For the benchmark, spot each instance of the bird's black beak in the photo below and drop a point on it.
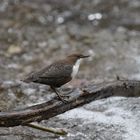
(84, 56)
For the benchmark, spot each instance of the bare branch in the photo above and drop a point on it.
(58, 131)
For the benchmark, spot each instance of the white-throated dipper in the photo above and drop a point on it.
(58, 73)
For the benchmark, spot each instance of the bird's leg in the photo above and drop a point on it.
(60, 97)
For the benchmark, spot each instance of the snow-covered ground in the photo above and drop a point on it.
(116, 118)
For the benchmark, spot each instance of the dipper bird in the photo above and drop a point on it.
(58, 73)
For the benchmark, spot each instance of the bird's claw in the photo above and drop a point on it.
(67, 96)
(62, 99)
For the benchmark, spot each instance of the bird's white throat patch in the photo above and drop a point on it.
(75, 68)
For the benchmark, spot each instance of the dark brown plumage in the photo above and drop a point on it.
(56, 74)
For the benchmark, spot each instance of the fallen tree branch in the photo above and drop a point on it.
(126, 88)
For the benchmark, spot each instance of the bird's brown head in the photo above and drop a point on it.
(74, 57)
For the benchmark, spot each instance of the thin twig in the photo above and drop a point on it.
(58, 131)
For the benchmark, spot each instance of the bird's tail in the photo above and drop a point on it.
(29, 78)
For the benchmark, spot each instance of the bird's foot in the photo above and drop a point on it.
(62, 99)
(59, 96)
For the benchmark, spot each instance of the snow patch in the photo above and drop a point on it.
(118, 116)
(111, 115)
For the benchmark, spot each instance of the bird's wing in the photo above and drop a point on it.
(56, 71)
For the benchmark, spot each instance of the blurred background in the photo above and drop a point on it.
(34, 33)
